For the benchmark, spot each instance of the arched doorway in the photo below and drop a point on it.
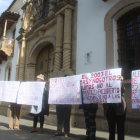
(44, 61)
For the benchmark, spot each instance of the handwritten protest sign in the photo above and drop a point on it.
(30, 93)
(65, 90)
(135, 83)
(101, 87)
(9, 90)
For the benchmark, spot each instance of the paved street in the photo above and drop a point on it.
(24, 132)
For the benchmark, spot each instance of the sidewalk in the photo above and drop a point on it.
(26, 125)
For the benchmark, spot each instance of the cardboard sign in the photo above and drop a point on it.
(101, 87)
(65, 90)
(135, 84)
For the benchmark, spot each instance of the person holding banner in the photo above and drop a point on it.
(63, 117)
(44, 108)
(116, 115)
(90, 116)
(63, 113)
(14, 116)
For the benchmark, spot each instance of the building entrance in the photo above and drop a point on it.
(44, 61)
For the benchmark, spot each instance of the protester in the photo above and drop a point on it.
(44, 108)
(14, 116)
(90, 116)
(63, 113)
(116, 115)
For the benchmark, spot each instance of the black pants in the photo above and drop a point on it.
(114, 120)
(35, 120)
(63, 118)
(90, 116)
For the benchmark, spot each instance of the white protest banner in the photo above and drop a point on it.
(9, 90)
(135, 84)
(101, 87)
(36, 109)
(30, 93)
(65, 90)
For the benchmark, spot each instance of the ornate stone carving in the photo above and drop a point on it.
(28, 17)
(41, 8)
(7, 45)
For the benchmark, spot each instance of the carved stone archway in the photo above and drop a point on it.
(37, 46)
(33, 53)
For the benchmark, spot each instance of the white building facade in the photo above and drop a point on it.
(11, 20)
(10, 25)
(108, 34)
(91, 35)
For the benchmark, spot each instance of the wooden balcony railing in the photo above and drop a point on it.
(7, 45)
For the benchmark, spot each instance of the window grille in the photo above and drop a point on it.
(128, 29)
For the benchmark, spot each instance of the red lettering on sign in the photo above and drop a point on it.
(136, 73)
(138, 106)
(108, 84)
(133, 95)
(84, 76)
(133, 80)
(108, 72)
(100, 85)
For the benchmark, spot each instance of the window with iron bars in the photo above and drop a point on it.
(128, 29)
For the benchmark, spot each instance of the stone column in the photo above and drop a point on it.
(67, 39)
(18, 62)
(59, 43)
(5, 28)
(22, 59)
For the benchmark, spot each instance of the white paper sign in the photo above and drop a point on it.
(65, 90)
(101, 87)
(9, 90)
(36, 109)
(30, 93)
(135, 77)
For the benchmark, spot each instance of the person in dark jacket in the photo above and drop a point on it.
(116, 115)
(90, 111)
(45, 106)
(63, 113)
(63, 119)
(90, 116)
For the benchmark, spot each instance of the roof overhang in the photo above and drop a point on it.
(11, 17)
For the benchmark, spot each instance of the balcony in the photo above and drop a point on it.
(7, 46)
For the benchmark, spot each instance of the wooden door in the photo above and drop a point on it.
(44, 62)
